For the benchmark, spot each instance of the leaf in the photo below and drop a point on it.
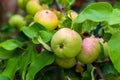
(96, 12)
(108, 68)
(46, 46)
(89, 74)
(66, 3)
(46, 35)
(12, 67)
(99, 12)
(33, 30)
(43, 59)
(46, 1)
(114, 17)
(4, 78)
(10, 44)
(26, 59)
(5, 54)
(114, 50)
(66, 22)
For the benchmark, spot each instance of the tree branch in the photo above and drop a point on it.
(99, 72)
(58, 6)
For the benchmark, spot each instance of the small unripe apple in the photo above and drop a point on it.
(66, 43)
(73, 15)
(33, 6)
(46, 18)
(17, 21)
(22, 3)
(90, 50)
(65, 62)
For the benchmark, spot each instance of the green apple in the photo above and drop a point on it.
(90, 50)
(66, 43)
(33, 6)
(22, 3)
(46, 18)
(17, 21)
(73, 15)
(65, 62)
(105, 46)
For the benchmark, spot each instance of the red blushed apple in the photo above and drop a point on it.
(90, 50)
(46, 18)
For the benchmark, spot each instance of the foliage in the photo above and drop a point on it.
(27, 55)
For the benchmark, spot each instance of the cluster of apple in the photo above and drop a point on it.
(67, 45)
(69, 48)
(39, 13)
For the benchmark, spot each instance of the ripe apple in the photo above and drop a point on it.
(17, 21)
(66, 43)
(90, 50)
(33, 6)
(65, 62)
(46, 18)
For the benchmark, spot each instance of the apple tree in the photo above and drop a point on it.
(48, 40)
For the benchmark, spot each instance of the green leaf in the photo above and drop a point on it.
(46, 1)
(5, 54)
(108, 68)
(66, 3)
(66, 22)
(114, 50)
(46, 35)
(10, 44)
(43, 59)
(26, 59)
(96, 12)
(89, 74)
(12, 67)
(4, 78)
(33, 30)
(46, 46)
(99, 12)
(114, 17)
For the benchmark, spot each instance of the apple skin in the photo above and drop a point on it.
(65, 62)
(33, 6)
(66, 43)
(90, 50)
(105, 46)
(73, 15)
(22, 3)
(17, 21)
(46, 18)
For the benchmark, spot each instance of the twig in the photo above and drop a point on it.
(58, 6)
(98, 71)
(102, 62)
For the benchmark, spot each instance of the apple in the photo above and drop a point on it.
(73, 15)
(105, 46)
(65, 62)
(46, 18)
(90, 50)
(17, 21)
(33, 6)
(66, 43)
(22, 3)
